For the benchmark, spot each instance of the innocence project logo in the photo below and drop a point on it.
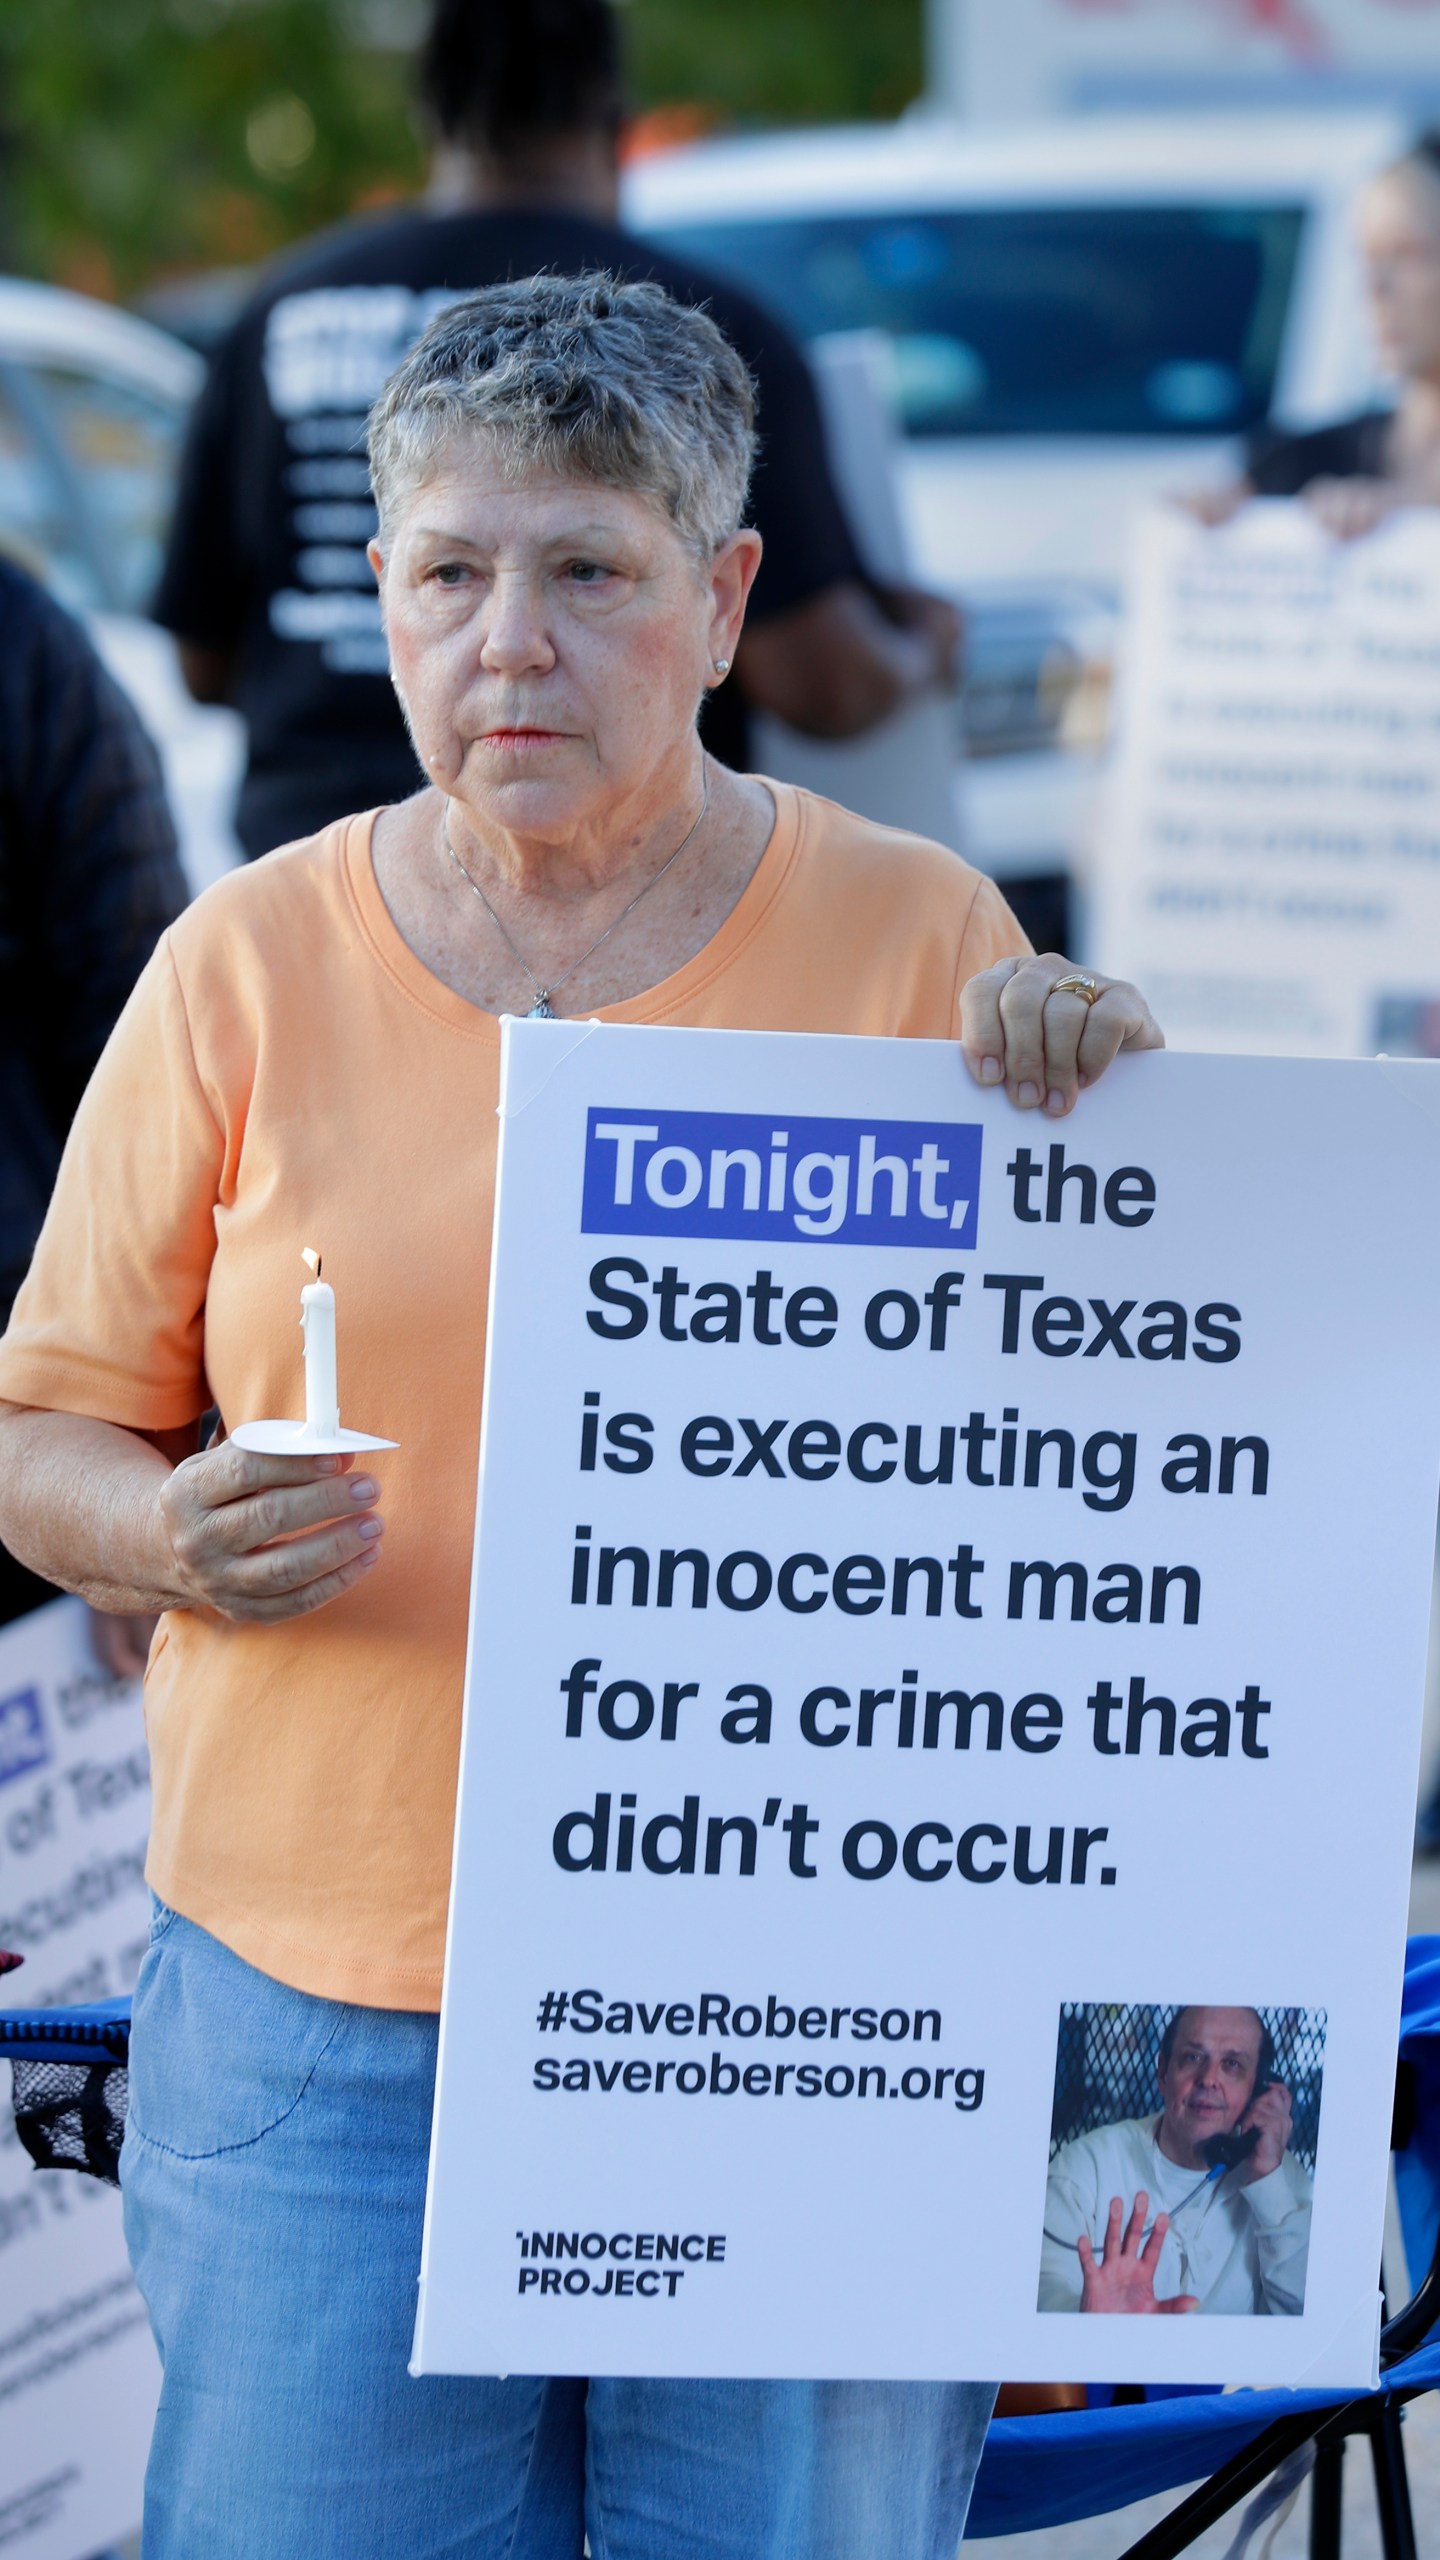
(775, 1180)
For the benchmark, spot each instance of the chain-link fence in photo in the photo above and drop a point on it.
(1107, 2052)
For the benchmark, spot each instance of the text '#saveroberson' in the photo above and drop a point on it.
(743, 1174)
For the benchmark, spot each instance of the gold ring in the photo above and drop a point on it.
(1077, 984)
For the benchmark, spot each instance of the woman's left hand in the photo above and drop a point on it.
(1045, 1029)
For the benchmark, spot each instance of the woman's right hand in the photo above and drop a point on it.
(265, 1539)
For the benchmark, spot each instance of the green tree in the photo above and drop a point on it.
(146, 136)
(142, 138)
(767, 62)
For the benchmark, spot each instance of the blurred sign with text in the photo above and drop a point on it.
(1270, 866)
(78, 2371)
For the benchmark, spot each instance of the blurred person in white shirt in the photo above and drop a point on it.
(1356, 472)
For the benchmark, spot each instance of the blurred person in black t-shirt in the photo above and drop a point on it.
(267, 586)
(1355, 472)
(89, 879)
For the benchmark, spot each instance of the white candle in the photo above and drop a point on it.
(317, 1324)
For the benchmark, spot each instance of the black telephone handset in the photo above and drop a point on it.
(1227, 2150)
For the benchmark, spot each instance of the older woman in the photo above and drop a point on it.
(560, 469)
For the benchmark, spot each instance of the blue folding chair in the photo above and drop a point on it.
(70, 2089)
(70, 2094)
(71, 2084)
(1056, 2469)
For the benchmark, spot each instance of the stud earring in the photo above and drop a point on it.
(721, 666)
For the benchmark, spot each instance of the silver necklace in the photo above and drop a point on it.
(542, 1010)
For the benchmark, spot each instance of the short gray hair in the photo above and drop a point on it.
(613, 383)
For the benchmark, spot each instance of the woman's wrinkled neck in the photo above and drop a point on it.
(574, 858)
(549, 922)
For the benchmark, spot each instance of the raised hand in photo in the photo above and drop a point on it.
(1122, 2278)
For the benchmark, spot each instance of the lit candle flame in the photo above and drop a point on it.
(309, 1255)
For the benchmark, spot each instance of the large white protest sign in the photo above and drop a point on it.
(950, 1591)
(79, 2376)
(1269, 865)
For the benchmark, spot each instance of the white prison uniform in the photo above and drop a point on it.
(1240, 2248)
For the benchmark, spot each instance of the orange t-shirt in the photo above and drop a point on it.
(288, 1073)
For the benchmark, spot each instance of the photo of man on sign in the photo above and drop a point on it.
(1203, 2206)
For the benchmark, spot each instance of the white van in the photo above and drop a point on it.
(93, 404)
(1079, 317)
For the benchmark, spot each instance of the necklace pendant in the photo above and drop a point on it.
(542, 1010)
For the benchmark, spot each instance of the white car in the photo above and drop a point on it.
(1079, 318)
(92, 408)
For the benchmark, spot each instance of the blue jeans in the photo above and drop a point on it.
(274, 2177)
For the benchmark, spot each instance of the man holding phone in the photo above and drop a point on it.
(1200, 2208)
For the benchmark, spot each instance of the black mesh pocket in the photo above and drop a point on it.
(71, 2115)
